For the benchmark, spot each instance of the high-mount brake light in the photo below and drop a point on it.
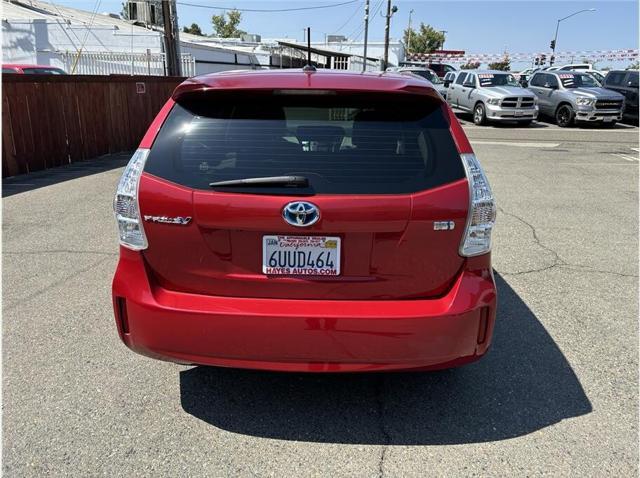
(482, 210)
(125, 204)
(304, 92)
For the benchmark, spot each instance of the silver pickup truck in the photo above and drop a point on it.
(570, 96)
(491, 96)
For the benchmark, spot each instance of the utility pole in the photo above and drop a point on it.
(409, 31)
(171, 39)
(444, 37)
(390, 12)
(366, 34)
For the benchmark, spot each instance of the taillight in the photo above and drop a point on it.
(125, 204)
(482, 210)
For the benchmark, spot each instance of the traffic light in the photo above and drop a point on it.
(552, 60)
(543, 59)
(537, 61)
(552, 45)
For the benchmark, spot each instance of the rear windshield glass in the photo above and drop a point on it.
(580, 80)
(343, 144)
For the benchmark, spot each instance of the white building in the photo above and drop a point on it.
(79, 41)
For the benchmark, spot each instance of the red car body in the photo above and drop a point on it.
(405, 297)
(28, 69)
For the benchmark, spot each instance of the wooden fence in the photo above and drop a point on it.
(49, 120)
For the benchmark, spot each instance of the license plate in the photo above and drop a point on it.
(301, 255)
(519, 113)
(608, 119)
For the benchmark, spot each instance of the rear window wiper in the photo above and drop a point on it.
(275, 181)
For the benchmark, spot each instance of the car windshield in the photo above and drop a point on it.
(580, 80)
(497, 79)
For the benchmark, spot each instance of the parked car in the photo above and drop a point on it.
(449, 78)
(625, 82)
(32, 69)
(492, 96)
(522, 78)
(305, 221)
(597, 75)
(576, 66)
(427, 74)
(570, 96)
(441, 69)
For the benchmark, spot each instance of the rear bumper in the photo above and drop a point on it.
(304, 335)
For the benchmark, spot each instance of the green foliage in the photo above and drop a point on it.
(227, 27)
(425, 40)
(502, 65)
(470, 65)
(194, 29)
(634, 66)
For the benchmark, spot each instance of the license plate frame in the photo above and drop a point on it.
(304, 252)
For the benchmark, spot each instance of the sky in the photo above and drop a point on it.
(475, 26)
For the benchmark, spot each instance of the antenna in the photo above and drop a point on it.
(308, 68)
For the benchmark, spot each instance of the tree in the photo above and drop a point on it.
(194, 29)
(502, 65)
(633, 66)
(227, 27)
(470, 65)
(426, 40)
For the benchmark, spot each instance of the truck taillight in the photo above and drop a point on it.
(482, 210)
(125, 203)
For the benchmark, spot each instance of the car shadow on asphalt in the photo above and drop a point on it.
(39, 179)
(522, 385)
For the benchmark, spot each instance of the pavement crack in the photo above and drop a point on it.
(23, 300)
(557, 260)
(385, 433)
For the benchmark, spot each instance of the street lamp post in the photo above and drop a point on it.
(555, 38)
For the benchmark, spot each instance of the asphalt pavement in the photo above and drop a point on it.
(557, 394)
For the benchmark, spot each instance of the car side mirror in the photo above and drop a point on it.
(446, 83)
(469, 85)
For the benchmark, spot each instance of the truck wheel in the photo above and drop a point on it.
(479, 115)
(564, 116)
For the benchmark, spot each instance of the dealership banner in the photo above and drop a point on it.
(593, 55)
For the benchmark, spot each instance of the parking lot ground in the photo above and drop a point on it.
(556, 395)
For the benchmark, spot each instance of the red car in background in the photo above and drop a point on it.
(25, 69)
(298, 220)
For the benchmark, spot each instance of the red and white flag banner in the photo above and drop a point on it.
(592, 55)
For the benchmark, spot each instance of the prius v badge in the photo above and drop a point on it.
(301, 213)
(180, 220)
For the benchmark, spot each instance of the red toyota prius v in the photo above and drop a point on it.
(316, 221)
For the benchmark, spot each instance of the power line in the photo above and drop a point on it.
(316, 7)
(358, 7)
(360, 28)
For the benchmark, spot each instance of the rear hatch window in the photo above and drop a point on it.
(353, 143)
